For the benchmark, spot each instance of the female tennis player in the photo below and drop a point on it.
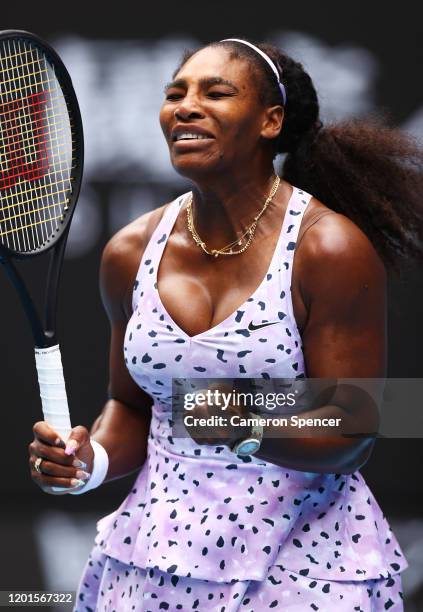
(207, 286)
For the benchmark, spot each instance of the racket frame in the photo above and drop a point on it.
(45, 335)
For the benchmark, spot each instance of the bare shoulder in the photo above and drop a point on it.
(335, 235)
(120, 261)
(336, 253)
(314, 210)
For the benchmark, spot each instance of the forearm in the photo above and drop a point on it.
(123, 431)
(341, 448)
(319, 449)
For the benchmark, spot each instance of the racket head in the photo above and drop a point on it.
(41, 146)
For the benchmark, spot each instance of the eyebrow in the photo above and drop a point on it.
(204, 82)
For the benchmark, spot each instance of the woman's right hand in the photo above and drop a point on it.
(58, 468)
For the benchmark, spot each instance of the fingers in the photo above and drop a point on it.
(57, 468)
(79, 436)
(44, 432)
(49, 468)
(46, 443)
(66, 483)
(51, 453)
(52, 475)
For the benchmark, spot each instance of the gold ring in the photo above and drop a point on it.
(37, 465)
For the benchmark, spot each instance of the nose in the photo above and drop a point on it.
(188, 108)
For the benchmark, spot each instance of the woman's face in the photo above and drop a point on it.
(211, 117)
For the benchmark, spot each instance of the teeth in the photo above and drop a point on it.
(189, 136)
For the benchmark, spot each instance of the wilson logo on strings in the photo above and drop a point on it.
(23, 130)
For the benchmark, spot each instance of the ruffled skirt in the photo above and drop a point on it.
(109, 585)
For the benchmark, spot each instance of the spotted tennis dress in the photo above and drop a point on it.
(201, 528)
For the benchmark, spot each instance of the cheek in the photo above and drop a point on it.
(238, 137)
(247, 129)
(164, 118)
(240, 123)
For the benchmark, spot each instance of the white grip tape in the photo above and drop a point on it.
(53, 391)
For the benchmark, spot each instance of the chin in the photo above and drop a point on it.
(191, 168)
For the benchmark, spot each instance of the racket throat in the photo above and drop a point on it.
(27, 304)
(53, 279)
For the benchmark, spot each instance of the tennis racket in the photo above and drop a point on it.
(41, 161)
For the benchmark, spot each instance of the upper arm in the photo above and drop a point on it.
(118, 269)
(344, 285)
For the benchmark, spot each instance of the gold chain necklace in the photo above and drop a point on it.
(248, 235)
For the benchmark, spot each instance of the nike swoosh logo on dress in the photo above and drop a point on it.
(252, 327)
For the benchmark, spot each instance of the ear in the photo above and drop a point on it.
(272, 123)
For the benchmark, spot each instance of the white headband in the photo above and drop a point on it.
(266, 58)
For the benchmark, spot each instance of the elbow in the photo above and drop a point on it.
(357, 456)
(328, 456)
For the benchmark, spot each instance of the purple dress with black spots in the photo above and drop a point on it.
(204, 530)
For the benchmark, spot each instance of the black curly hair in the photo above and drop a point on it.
(365, 169)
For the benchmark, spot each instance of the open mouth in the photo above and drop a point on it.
(189, 136)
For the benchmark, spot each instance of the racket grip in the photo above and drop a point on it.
(52, 390)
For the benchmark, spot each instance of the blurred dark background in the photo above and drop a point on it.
(363, 57)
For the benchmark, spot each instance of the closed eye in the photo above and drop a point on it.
(219, 94)
(211, 94)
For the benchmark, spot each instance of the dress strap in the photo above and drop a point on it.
(292, 222)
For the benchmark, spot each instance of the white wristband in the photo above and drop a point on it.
(100, 467)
